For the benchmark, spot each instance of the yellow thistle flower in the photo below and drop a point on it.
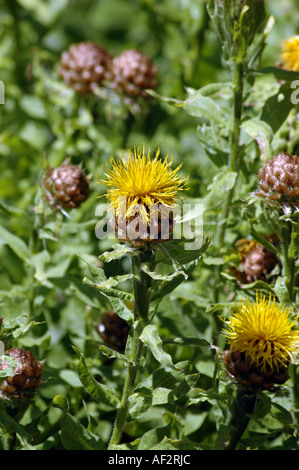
(290, 54)
(264, 332)
(141, 182)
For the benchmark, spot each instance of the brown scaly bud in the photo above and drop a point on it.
(133, 230)
(257, 261)
(280, 177)
(67, 185)
(84, 66)
(132, 73)
(26, 377)
(113, 331)
(252, 376)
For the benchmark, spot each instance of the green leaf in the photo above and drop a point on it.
(61, 402)
(161, 289)
(100, 392)
(205, 107)
(15, 243)
(186, 341)
(278, 73)
(218, 189)
(150, 337)
(281, 414)
(116, 297)
(175, 444)
(8, 423)
(111, 354)
(282, 291)
(153, 437)
(118, 252)
(74, 436)
(261, 132)
(161, 387)
(277, 108)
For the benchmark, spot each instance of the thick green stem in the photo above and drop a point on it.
(33, 249)
(122, 412)
(233, 165)
(141, 288)
(288, 260)
(243, 406)
(238, 72)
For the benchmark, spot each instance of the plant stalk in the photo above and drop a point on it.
(238, 71)
(141, 288)
(242, 408)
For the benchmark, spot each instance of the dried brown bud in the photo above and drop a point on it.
(68, 186)
(280, 177)
(84, 66)
(132, 72)
(27, 373)
(114, 331)
(257, 261)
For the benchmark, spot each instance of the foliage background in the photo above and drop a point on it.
(44, 121)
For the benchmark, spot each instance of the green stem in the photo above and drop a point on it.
(238, 71)
(33, 249)
(141, 288)
(122, 412)
(288, 260)
(243, 406)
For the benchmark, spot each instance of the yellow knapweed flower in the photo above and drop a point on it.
(264, 332)
(290, 54)
(137, 183)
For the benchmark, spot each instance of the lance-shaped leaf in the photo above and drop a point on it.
(116, 297)
(162, 387)
(74, 436)
(150, 337)
(262, 133)
(218, 189)
(100, 392)
(15, 243)
(118, 252)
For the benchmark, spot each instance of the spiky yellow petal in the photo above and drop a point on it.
(140, 180)
(264, 331)
(290, 54)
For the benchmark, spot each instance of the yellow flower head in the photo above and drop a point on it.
(264, 332)
(290, 54)
(139, 181)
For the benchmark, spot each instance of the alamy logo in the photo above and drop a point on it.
(295, 94)
(149, 223)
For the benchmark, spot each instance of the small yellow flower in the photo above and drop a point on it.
(264, 332)
(290, 54)
(138, 183)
